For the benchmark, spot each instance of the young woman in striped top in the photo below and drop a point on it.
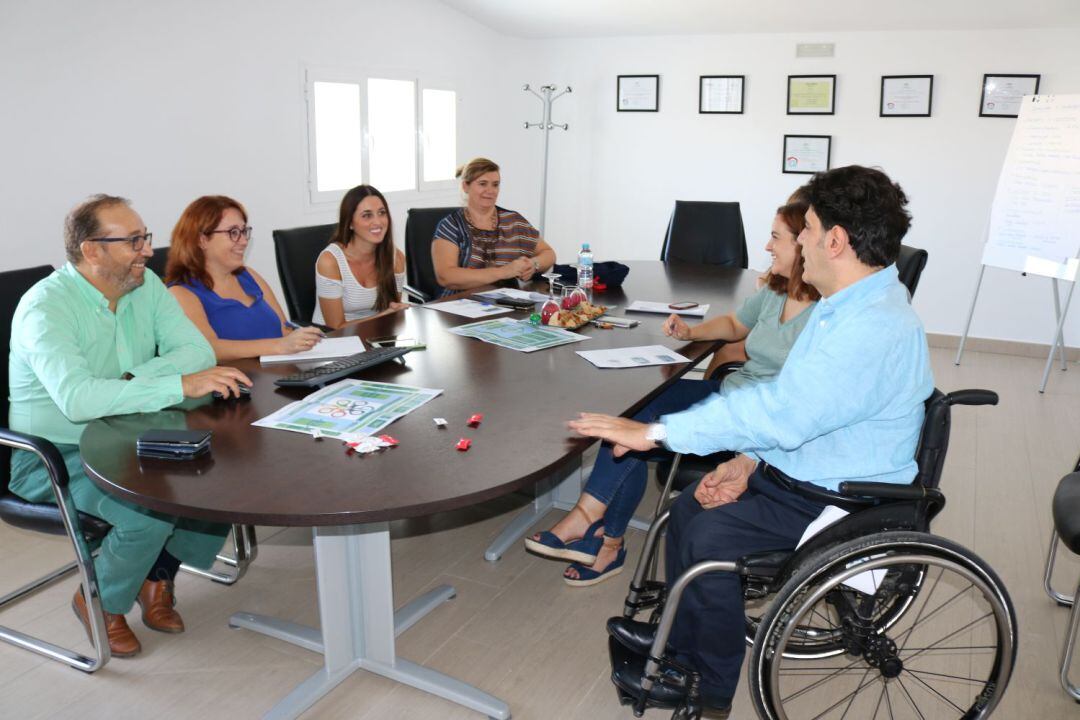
(482, 243)
(360, 273)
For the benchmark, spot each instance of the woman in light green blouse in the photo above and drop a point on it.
(591, 534)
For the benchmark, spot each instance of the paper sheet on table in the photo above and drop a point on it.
(468, 308)
(514, 293)
(659, 307)
(867, 582)
(641, 356)
(518, 335)
(327, 349)
(349, 409)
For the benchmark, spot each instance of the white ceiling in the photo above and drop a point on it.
(588, 18)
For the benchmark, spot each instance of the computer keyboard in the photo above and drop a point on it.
(317, 377)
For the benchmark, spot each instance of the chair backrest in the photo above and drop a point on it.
(933, 440)
(296, 251)
(13, 285)
(909, 265)
(706, 233)
(420, 227)
(158, 260)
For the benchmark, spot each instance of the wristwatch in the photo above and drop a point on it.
(657, 432)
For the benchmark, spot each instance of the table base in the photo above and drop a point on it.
(356, 611)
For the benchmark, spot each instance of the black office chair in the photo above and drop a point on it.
(84, 531)
(682, 471)
(420, 225)
(1066, 513)
(910, 265)
(705, 233)
(820, 612)
(296, 251)
(158, 261)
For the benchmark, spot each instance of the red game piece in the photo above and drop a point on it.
(475, 420)
(387, 439)
(463, 444)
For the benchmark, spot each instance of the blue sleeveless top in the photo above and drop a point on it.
(231, 319)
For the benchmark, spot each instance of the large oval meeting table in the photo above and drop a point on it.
(261, 476)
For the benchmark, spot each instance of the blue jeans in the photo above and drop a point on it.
(619, 483)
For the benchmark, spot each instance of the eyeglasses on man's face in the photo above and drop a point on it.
(235, 233)
(138, 242)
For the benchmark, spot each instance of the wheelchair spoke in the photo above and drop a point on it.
(911, 700)
(850, 698)
(888, 702)
(980, 681)
(926, 603)
(825, 679)
(905, 635)
(934, 690)
(959, 630)
(880, 697)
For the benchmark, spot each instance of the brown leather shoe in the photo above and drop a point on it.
(122, 641)
(157, 600)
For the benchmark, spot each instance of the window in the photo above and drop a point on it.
(393, 133)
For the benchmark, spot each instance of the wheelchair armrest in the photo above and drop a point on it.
(972, 397)
(723, 370)
(417, 294)
(891, 491)
(41, 447)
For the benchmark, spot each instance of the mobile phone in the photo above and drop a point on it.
(683, 305)
(515, 303)
(396, 342)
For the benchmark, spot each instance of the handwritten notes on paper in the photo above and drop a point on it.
(1036, 213)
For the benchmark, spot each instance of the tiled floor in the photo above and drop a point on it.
(515, 629)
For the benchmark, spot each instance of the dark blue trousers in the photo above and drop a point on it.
(709, 627)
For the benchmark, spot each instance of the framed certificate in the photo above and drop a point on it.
(721, 94)
(1001, 94)
(811, 94)
(906, 95)
(637, 93)
(806, 154)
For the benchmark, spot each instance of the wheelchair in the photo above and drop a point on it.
(872, 617)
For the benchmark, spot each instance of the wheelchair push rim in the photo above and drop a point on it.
(886, 675)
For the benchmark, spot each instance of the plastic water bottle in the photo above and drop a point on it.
(585, 268)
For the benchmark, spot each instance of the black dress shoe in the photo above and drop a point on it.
(632, 634)
(627, 672)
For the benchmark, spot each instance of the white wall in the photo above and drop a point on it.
(615, 176)
(163, 102)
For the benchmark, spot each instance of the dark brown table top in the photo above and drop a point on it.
(273, 477)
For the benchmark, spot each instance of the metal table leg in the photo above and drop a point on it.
(560, 492)
(356, 609)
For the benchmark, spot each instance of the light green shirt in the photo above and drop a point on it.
(69, 351)
(769, 341)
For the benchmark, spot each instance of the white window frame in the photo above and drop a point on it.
(433, 185)
(323, 199)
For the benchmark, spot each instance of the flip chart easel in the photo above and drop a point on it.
(1036, 208)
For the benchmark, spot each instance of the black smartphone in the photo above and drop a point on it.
(683, 305)
(515, 303)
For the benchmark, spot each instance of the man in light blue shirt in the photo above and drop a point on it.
(848, 405)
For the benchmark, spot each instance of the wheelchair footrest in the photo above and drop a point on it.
(676, 687)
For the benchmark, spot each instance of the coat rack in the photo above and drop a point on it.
(547, 96)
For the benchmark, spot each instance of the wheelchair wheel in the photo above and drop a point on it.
(949, 652)
(820, 636)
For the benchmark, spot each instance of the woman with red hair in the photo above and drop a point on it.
(230, 303)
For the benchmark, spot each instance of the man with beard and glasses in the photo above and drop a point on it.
(102, 336)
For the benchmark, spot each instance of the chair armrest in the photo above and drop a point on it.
(41, 447)
(722, 371)
(972, 397)
(890, 491)
(418, 295)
